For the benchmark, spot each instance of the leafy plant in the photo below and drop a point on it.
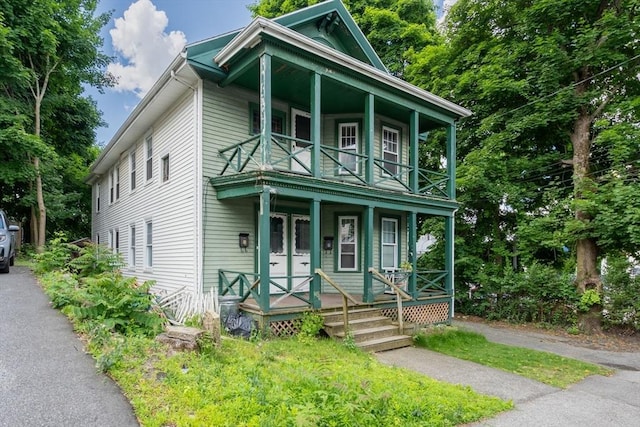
(56, 256)
(621, 294)
(310, 325)
(95, 259)
(589, 298)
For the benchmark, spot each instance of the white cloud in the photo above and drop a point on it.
(139, 38)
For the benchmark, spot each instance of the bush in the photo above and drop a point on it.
(539, 294)
(621, 295)
(56, 256)
(93, 260)
(62, 288)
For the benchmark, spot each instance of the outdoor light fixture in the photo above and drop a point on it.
(327, 243)
(243, 240)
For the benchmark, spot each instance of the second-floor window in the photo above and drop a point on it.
(165, 168)
(348, 136)
(114, 184)
(97, 197)
(132, 170)
(390, 150)
(277, 120)
(148, 145)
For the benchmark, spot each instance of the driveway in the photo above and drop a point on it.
(597, 400)
(46, 379)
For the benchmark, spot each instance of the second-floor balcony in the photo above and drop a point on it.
(288, 154)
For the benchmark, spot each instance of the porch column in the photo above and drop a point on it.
(412, 224)
(316, 247)
(264, 247)
(449, 235)
(414, 161)
(367, 227)
(315, 124)
(451, 161)
(369, 136)
(265, 109)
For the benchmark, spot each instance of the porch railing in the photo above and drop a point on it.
(295, 155)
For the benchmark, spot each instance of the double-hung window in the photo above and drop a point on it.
(132, 170)
(132, 245)
(114, 184)
(348, 136)
(277, 120)
(148, 146)
(390, 150)
(389, 244)
(348, 243)
(165, 168)
(97, 198)
(148, 257)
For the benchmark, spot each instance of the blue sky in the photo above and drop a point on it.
(144, 36)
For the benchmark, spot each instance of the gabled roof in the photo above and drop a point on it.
(339, 31)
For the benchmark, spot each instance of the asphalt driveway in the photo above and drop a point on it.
(45, 377)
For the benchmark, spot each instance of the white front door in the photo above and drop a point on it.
(301, 129)
(301, 252)
(290, 253)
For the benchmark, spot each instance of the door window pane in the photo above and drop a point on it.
(277, 235)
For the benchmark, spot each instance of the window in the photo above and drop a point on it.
(116, 243)
(111, 187)
(348, 143)
(390, 150)
(277, 120)
(348, 243)
(165, 168)
(389, 244)
(132, 245)
(148, 144)
(110, 239)
(148, 258)
(98, 238)
(114, 184)
(132, 170)
(117, 177)
(97, 198)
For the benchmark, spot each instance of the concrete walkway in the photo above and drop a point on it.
(597, 400)
(45, 377)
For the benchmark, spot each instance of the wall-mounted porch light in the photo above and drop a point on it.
(327, 243)
(243, 241)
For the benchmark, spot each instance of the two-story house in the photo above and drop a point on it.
(280, 163)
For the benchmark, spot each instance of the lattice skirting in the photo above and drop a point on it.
(284, 328)
(421, 314)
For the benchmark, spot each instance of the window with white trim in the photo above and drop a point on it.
(165, 168)
(389, 244)
(116, 242)
(132, 170)
(132, 245)
(347, 243)
(148, 148)
(390, 150)
(148, 252)
(114, 184)
(348, 136)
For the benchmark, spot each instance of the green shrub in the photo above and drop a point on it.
(93, 260)
(588, 299)
(62, 288)
(119, 304)
(56, 256)
(620, 295)
(309, 325)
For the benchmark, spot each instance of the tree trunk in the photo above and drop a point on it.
(41, 212)
(587, 276)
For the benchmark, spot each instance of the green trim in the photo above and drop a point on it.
(360, 144)
(336, 239)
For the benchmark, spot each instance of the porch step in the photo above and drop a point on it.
(371, 331)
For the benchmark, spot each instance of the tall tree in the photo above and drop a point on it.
(545, 79)
(53, 45)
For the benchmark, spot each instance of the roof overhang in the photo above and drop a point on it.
(178, 78)
(253, 34)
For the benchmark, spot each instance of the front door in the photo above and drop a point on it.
(301, 130)
(290, 253)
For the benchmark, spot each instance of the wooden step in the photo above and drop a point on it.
(358, 313)
(333, 328)
(386, 343)
(366, 334)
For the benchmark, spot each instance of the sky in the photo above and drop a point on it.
(144, 36)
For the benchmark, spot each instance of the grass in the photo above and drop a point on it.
(545, 367)
(286, 383)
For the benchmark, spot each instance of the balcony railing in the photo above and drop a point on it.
(295, 155)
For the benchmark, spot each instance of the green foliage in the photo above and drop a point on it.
(309, 326)
(539, 294)
(119, 303)
(93, 260)
(283, 383)
(61, 287)
(545, 367)
(588, 299)
(56, 256)
(621, 295)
